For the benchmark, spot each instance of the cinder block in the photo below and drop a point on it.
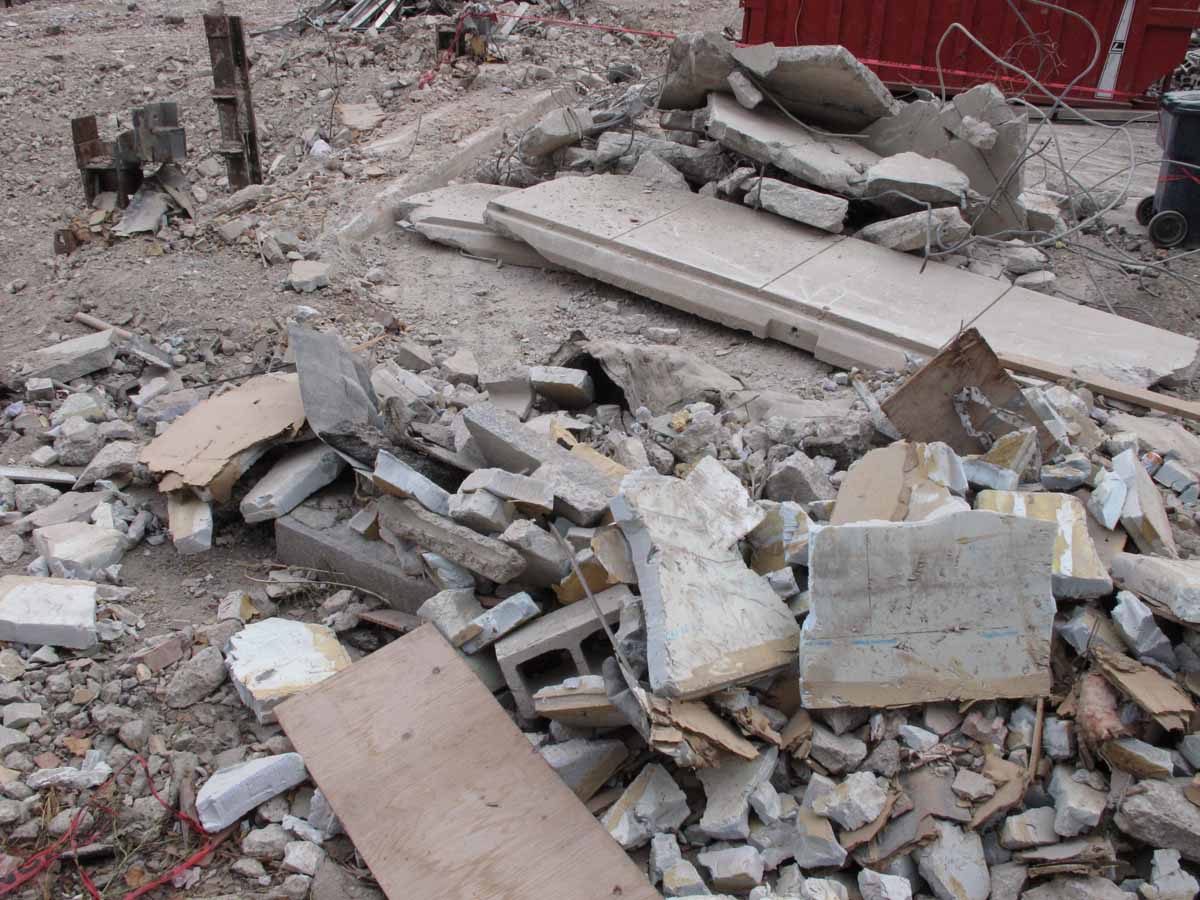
(569, 641)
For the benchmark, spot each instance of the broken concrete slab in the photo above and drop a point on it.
(295, 477)
(531, 495)
(698, 62)
(728, 787)
(1158, 814)
(825, 85)
(78, 550)
(1173, 584)
(482, 511)
(585, 765)
(565, 387)
(453, 612)
(933, 229)
(768, 136)
(1143, 515)
(397, 478)
(847, 302)
(658, 173)
(546, 561)
(1136, 624)
(453, 216)
(799, 204)
(232, 792)
(798, 479)
(903, 482)
(271, 660)
(991, 601)
(53, 611)
(474, 551)
(733, 869)
(651, 804)
(1078, 572)
(557, 129)
(954, 865)
(74, 358)
(902, 183)
(699, 639)
(504, 617)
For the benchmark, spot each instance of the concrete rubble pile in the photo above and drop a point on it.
(778, 652)
(806, 133)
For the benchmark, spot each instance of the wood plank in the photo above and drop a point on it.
(1027, 365)
(440, 792)
(393, 619)
(922, 409)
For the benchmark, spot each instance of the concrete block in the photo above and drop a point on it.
(75, 358)
(1074, 472)
(76, 550)
(781, 539)
(928, 180)
(878, 886)
(562, 643)
(566, 388)
(808, 839)
(39, 389)
(836, 752)
(190, 520)
(711, 621)
(798, 479)
(954, 865)
(482, 511)
(461, 367)
(972, 786)
(453, 612)
(509, 389)
(936, 229)
(682, 879)
(1077, 806)
(1032, 828)
(1138, 758)
(859, 799)
(557, 129)
(658, 174)
(531, 495)
(651, 804)
(1173, 583)
(799, 204)
(1159, 815)
(115, 460)
(581, 492)
(479, 553)
(453, 215)
(585, 765)
(1077, 573)
(1136, 625)
(53, 611)
(303, 857)
(270, 660)
(904, 481)
(1108, 499)
(308, 275)
(308, 540)
(990, 598)
(698, 62)
(546, 561)
(1143, 515)
(232, 792)
(728, 787)
(398, 479)
(292, 480)
(664, 853)
(733, 869)
(412, 356)
(743, 89)
(502, 618)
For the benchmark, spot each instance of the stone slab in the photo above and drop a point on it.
(75, 358)
(955, 608)
(453, 216)
(54, 611)
(846, 301)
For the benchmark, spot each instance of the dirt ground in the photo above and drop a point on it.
(224, 308)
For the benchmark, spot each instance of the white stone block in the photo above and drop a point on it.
(234, 791)
(54, 611)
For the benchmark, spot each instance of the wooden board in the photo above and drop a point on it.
(393, 619)
(1108, 387)
(441, 793)
(923, 407)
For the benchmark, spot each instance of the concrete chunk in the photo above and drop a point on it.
(398, 478)
(743, 89)
(77, 550)
(800, 480)
(1033, 828)
(936, 229)
(711, 621)
(658, 174)
(953, 865)
(734, 869)
(1143, 514)
(546, 561)
(270, 660)
(853, 803)
(1138, 758)
(983, 579)
(651, 804)
(453, 612)
(58, 612)
(234, 791)
(1137, 627)
(728, 787)
(567, 388)
(557, 129)
(836, 752)
(1077, 806)
(190, 520)
(74, 358)
(482, 511)
(1158, 814)
(682, 879)
(1078, 572)
(531, 495)
(500, 620)
(664, 853)
(585, 765)
(292, 479)
(1108, 499)
(1173, 583)
(798, 204)
(877, 886)
(481, 554)
(917, 177)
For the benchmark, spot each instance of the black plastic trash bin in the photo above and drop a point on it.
(1172, 215)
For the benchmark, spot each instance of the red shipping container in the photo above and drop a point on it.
(1141, 41)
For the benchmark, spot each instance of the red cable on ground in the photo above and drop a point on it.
(43, 859)
(449, 54)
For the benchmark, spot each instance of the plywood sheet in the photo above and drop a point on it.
(439, 790)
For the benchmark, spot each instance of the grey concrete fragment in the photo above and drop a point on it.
(1158, 814)
(308, 275)
(797, 478)
(294, 478)
(190, 520)
(733, 869)
(502, 618)
(728, 787)
(558, 128)
(664, 853)
(1168, 880)
(196, 678)
(877, 886)
(76, 550)
(859, 799)
(683, 880)
(234, 791)
(57, 612)
(916, 177)
(74, 358)
(567, 388)
(461, 367)
(115, 460)
(698, 62)
(398, 478)
(1008, 881)
(547, 562)
(837, 753)
(1032, 828)
(744, 90)
(699, 637)
(532, 495)
(585, 765)
(651, 804)
(482, 511)
(1077, 806)
(453, 612)
(479, 553)
(936, 229)
(799, 204)
(1138, 628)
(1175, 583)
(953, 865)
(659, 174)
(1139, 758)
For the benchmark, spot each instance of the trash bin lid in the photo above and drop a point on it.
(1186, 102)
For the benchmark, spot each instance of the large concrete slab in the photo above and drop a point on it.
(846, 301)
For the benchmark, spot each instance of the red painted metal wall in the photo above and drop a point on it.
(1141, 40)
